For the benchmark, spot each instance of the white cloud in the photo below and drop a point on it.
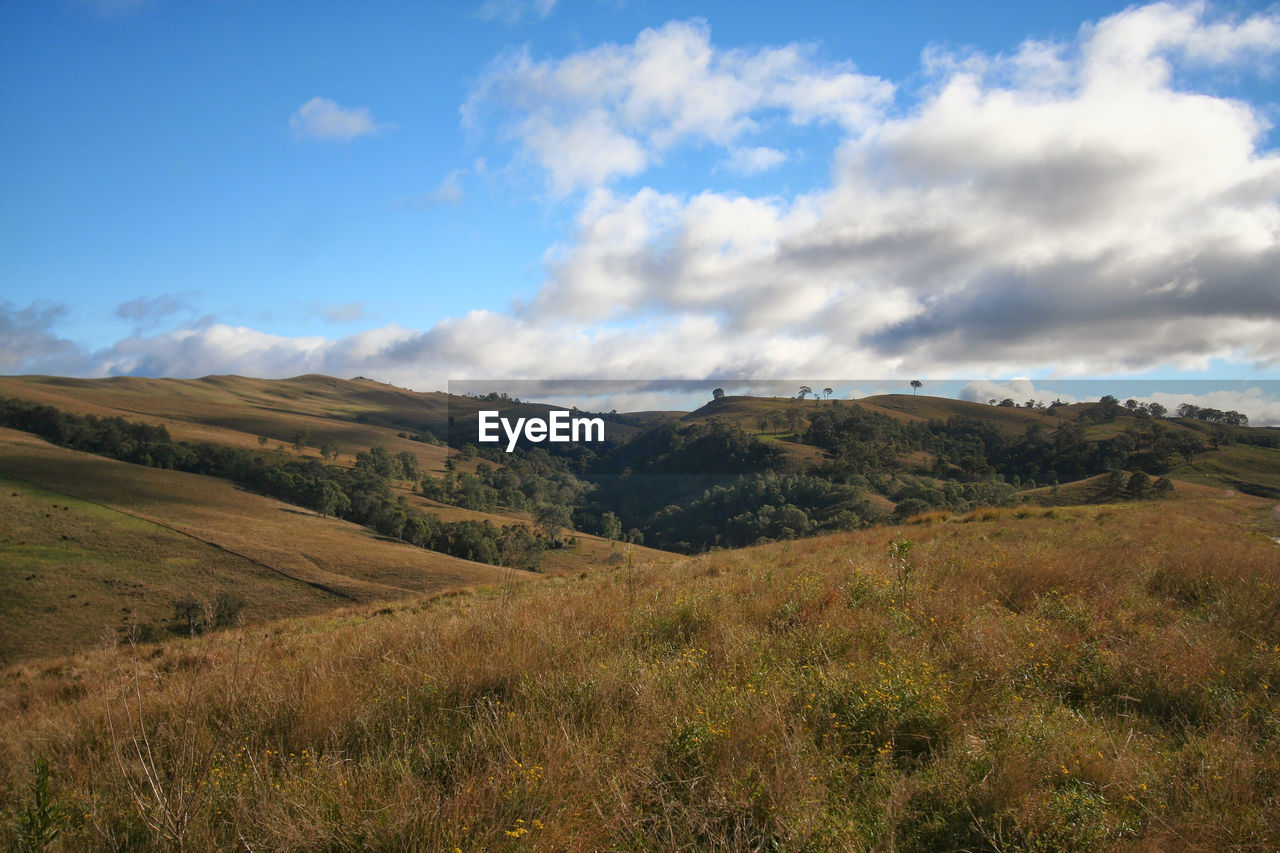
(449, 191)
(751, 161)
(1262, 409)
(321, 118)
(1018, 390)
(1064, 207)
(614, 110)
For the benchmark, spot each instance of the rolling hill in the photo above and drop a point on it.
(92, 544)
(205, 532)
(144, 537)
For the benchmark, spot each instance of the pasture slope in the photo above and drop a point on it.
(1065, 678)
(92, 544)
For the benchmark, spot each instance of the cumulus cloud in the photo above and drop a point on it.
(321, 118)
(1261, 405)
(614, 110)
(1018, 390)
(220, 348)
(751, 161)
(1065, 206)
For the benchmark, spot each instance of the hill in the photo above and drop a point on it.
(329, 562)
(1058, 679)
(91, 544)
(237, 411)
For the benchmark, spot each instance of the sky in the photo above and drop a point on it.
(532, 189)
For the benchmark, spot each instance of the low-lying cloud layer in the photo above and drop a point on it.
(1089, 208)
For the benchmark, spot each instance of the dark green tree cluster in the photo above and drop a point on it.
(1216, 416)
(760, 508)
(524, 481)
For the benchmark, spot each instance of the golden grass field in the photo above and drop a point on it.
(236, 410)
(1068, 678)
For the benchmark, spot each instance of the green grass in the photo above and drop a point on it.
(1255, 470)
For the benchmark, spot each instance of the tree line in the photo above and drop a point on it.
(361, 494)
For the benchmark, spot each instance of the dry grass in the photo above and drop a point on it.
(134, 538)
(235, 410)
(1097, 679)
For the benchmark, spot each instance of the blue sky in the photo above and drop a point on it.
(419, 192)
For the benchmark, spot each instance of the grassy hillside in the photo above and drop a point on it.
(236, 410)
(74, 571)
(747, 411)
(1098, 490)
(1255, 470)
(133, 537)
(1066, 679)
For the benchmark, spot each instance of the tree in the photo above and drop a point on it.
(329, 499)
(329, 450)
(827, 392)
(519, 548)
(1189, 447)
(717, 394)
(793, 419)
(227, 607)
(805, 391)
(550, 518)
(300, 440)
(1107, 409)
(611, 526)
(408, 465)
(916, 385)
(188, 611)
(262, 441)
